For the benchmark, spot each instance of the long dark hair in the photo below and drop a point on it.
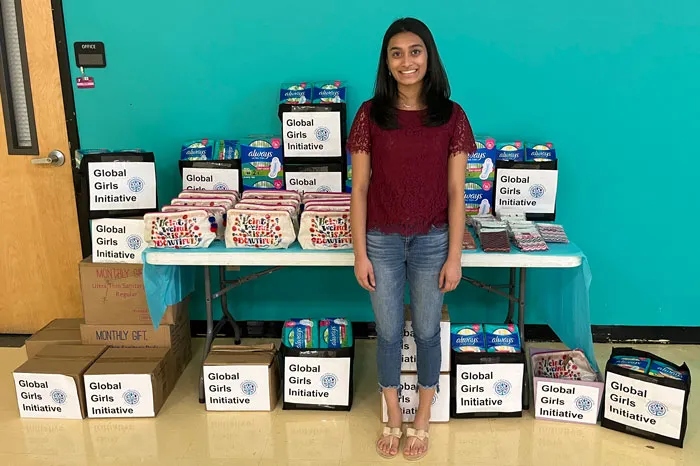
(435, 92)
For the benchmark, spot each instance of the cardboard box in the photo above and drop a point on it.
(408, 399)
(488, 385)
(114, 294)
(50, 385)
(408, 348)
(566, 400)
(177, 337)
(58, 331)
(129, 382)
(319, 379)
(241, 378)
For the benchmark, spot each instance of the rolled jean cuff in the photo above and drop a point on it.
(436, 386)
(397, 387)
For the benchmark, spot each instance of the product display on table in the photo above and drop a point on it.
(467, 338)
(325, 230)
(478, 197)
(567, 364)
(296, 93)
(328, 92)
(273, 203)
(468, 243)
(189, 229)
(259, 229)
(494, 240)
(217, 216)
(203, 202)
(540, 152)
(552, 233)
(502, 338)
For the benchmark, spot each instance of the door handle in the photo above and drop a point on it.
(55, 159)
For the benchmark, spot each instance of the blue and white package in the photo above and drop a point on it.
(201, 149)
(478, 197)
(481, 165)
(226, 149)
(659, 369)
(540, 152)
(510, 151)
(261, 163)
(467, 338)
(329, 92)
(502, 338)
(633, 363)
(296, 93)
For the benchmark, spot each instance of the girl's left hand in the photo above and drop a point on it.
(450, 275)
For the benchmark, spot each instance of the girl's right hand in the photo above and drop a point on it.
(364, 272)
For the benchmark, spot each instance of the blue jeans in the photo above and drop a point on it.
(418, 259)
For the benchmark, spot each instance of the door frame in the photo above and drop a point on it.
(64, 67)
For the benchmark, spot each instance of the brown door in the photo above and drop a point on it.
(39, 238)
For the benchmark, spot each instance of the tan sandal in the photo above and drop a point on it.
(412, 435)
(394, 433)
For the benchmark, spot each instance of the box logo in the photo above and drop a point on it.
(248, 387)
(583, 403)
(136, 184)
(134, 242)
(132, 397)
(657, 408)
(59, 396)
(329, 380)
(322, 133)
(501, 388)
(537, 191)
(221, 187)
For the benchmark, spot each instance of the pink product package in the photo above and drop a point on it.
(328, 196)
(271, 194)
(207, 195)
(568, 364)
(325, 230)
(203, 202)
(327, 208)
(259, 229)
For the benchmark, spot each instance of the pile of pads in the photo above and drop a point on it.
(485, 338)
(323, 333)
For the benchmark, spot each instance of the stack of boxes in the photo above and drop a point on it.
(408, 397)
(479, 177)
(314, 121)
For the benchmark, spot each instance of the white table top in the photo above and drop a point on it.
(559, 256)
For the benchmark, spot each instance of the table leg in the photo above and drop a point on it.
(210, 329)
(521, 305)
(224, 307)
(511, 291)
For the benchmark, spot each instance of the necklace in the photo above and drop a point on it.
(407, 105)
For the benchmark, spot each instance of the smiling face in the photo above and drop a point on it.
(407, 58)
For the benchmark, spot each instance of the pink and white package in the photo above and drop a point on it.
(259, 229)
(218, 225)
(325, 230)
(568, 364)
(189, 229)
(203, 202)
(191, 194)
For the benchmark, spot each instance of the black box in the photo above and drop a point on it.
(643, 405)
(312, 374)
(136, 184)
(530, 192)
(203, 179)
(319, 137)
(474, 383)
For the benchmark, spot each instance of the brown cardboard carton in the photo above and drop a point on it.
(241, 378)
(58, 331)
(129, 382)
(114, 294)
(177, 337)
(50, 385)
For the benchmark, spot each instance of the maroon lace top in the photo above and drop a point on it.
(408, 185)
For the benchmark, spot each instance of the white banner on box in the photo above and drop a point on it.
(529, 191)
(47, 396)
(117, 240)
(311, 134)
(237, 388)
(119, 395)
(489, 388)
(408, 400)
(567, 402)
(317, 381)
(408, 349)
(122, 185)
(211, 179)
(324, 182)
(643, 405)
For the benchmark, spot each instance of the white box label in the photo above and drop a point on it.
(317, 381)
(644, 405)
(122, 185)
(119, 395)
(489, 388)
(529, 191)
(567, 402)
(117, 240)
(237, 388)
(408, 348)
(440, 409)
(47, 396)
(212, 179)
(323, 182)
(311, 134)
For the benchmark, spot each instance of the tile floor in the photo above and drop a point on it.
(185, 434)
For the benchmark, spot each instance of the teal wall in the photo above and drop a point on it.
(610, 83)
